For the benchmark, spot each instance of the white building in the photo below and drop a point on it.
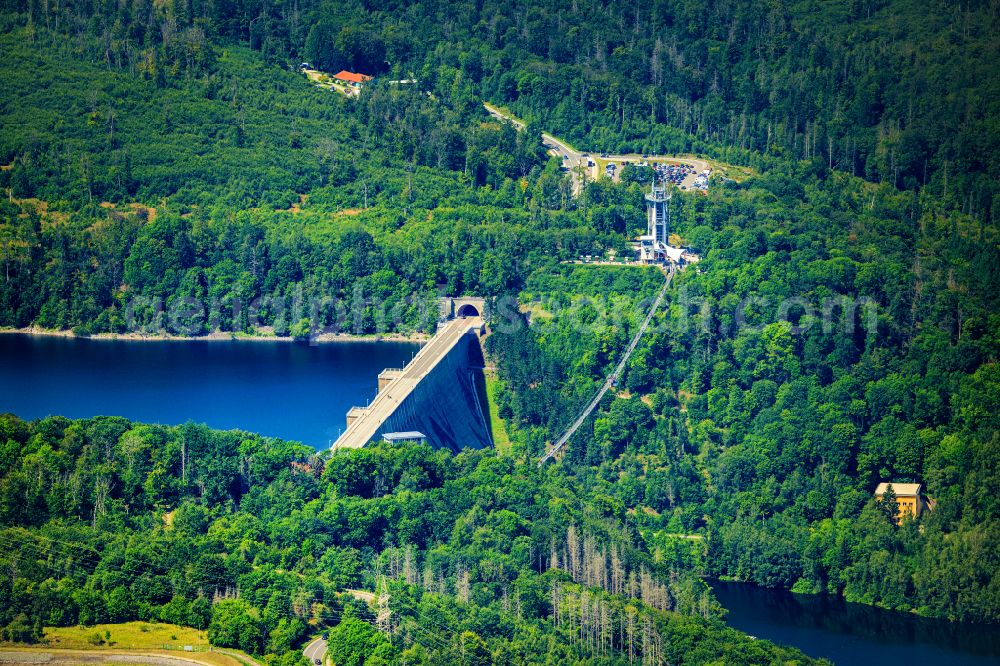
(654, 247)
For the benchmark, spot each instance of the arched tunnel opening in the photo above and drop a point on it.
(467, 310)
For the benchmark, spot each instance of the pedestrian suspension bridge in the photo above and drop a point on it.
(612, 378)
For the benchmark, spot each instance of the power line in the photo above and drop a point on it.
(197, 581)
(328, 615)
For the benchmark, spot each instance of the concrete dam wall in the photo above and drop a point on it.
(435, 395)
(445, 405)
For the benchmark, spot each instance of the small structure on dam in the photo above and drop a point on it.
(463, 306)
(436, 396)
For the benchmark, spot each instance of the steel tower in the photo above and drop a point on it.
(658, 213)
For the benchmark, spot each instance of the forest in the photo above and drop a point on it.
(895, 91)
(484, 559)
(227, 204)
(840, 330)
(768, 435)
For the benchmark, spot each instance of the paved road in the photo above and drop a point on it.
(439, 345)
(315, 650)
(572, 160)
(576, 163)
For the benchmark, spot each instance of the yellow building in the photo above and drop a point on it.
(908, 497)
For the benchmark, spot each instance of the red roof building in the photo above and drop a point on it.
(352, 78)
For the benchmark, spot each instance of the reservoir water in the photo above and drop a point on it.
(855, 634)
(301, 392)
(282, 389)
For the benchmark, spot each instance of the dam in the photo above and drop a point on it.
(434, 398)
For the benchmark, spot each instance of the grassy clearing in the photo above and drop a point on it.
(535, 310)
(501, 440)
(129, 635)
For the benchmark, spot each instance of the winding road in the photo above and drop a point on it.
(572, 160)
(315, 650)
(581, 164)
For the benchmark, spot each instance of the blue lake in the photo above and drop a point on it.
(301, 392)
(283, 389)
(855, 634)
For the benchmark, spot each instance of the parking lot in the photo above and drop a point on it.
(673, 173)
(683, 173)
(686, 173)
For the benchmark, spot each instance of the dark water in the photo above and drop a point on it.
(288, 390)
(300, 392)
(855, 634)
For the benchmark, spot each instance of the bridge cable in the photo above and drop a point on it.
(612, 378)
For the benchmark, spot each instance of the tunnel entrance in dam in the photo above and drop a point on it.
(463, 307)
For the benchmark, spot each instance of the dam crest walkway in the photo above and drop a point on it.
(398, 405)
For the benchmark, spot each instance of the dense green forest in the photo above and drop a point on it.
(484, 559)
(795, 370)
(897, 91)
(159, 105)
(251, 186)
(840, 330)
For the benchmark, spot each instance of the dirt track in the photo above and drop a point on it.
(148, 658)
(91, 657)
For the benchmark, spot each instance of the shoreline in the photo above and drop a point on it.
(217, 336)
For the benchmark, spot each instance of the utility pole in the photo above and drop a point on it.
(383, 616)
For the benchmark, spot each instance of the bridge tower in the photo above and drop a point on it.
(653, 246)
(658, 213)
